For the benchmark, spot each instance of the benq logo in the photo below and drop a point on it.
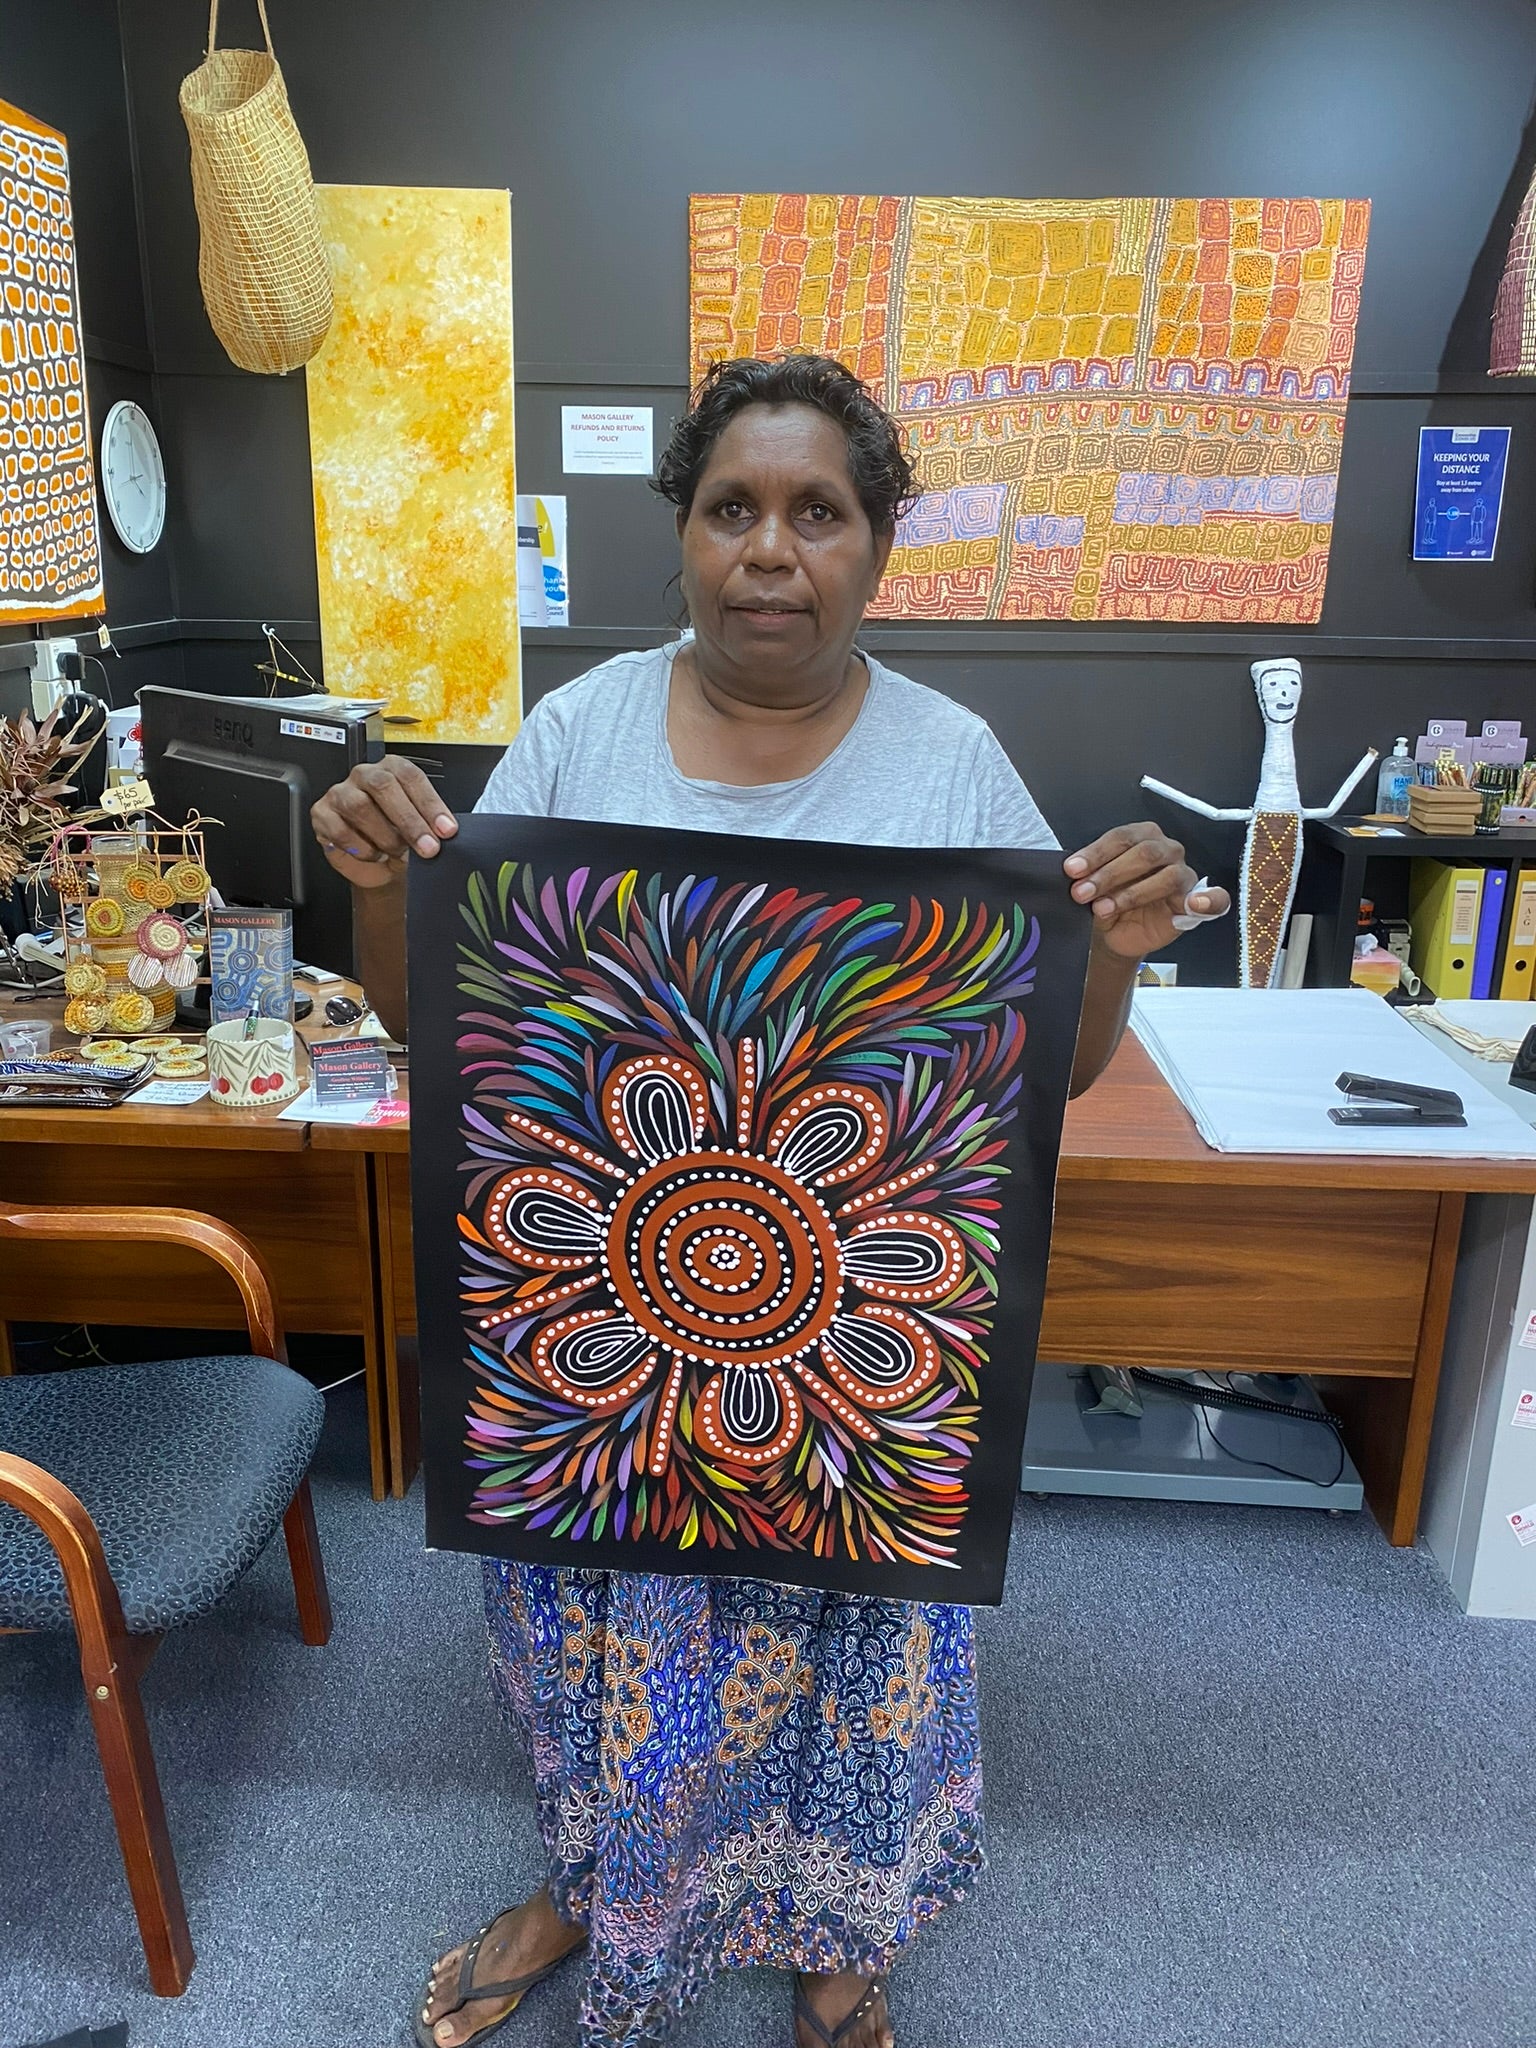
(236, 731)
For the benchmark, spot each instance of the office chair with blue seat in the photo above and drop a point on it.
(131, 1499)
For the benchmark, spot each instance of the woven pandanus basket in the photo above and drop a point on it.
(262, 263)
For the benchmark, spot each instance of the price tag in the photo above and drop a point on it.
(1524, 1416)
(132, 794)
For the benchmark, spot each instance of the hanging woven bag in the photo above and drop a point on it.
(262, 265)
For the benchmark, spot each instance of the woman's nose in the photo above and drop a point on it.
(771, 543)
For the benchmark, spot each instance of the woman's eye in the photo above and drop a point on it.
(819, 514)
(732, 509)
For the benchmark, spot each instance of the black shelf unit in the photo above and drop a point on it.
(1334, 877)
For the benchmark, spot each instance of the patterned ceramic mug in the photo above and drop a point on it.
(255, 1072)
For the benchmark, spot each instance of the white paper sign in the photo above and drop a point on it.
(1523, 1522)
(166, 1094)
(1524, 1416)
(1528, 1334)
(606, 440)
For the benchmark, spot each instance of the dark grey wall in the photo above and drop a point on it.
(62, 60)
(602, 117)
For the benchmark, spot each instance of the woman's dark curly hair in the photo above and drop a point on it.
(877, 461)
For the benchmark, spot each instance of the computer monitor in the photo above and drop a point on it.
(257, 764)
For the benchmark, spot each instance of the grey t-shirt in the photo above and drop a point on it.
(914, 769)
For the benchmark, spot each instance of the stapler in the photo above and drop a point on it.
(1401, 1103)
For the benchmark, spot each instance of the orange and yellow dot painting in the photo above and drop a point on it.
(50, 548)
(412, 448)
(1119, 408)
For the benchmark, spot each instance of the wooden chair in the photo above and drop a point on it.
(142, 1493)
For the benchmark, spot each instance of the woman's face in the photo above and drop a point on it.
(779, 558)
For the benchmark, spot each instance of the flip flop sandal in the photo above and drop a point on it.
(471, 1993)
(875, 1989)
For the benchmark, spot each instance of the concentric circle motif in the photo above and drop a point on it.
(131, 1011)
(161, 937)
(84, 1014)
(83, 978)
(724, 1257)
(189, 882)
(724, 1275)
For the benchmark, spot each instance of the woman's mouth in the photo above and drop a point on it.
(770, 614)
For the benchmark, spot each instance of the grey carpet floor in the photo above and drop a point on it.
(1253, 1782)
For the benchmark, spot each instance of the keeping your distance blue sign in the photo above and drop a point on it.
(1460, 492)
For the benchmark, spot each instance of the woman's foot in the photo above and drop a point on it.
(833, 2000)
(526, 1938)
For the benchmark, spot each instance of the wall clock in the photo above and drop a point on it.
(133, 476)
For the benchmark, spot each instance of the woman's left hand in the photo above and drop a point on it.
(1137, 880)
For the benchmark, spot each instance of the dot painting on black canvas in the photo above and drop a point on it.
(733, 1170)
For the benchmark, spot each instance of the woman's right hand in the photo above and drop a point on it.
(384, 810)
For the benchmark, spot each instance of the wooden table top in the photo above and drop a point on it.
(193, 1126)
(1130, 1126)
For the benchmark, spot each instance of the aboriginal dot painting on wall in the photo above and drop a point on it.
(1120, 408)
(732, 1189)
(50, 551)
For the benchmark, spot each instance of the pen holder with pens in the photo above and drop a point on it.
(1496, 783)
(252, 1069)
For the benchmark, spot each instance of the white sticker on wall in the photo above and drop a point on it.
(1523, 1522)
(1528, 1334)
(1524, 1416)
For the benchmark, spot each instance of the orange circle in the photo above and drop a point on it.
(666, 1238)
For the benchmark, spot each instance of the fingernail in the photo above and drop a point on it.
(1082, 891)
(426, 844)
(444, 824)
(1105, 905)
(1076, 865)
(1199, 902)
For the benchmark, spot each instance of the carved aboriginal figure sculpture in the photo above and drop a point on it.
(1272, 849)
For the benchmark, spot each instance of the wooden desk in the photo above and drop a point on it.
(1166, 1253)
(310, 1214)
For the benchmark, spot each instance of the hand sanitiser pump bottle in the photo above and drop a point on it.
(1393, 781)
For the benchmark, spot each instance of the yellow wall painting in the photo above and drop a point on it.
(1120, 408)
(50, 548)
(411, 442)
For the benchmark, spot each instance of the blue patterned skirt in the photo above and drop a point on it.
(731, 1773)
